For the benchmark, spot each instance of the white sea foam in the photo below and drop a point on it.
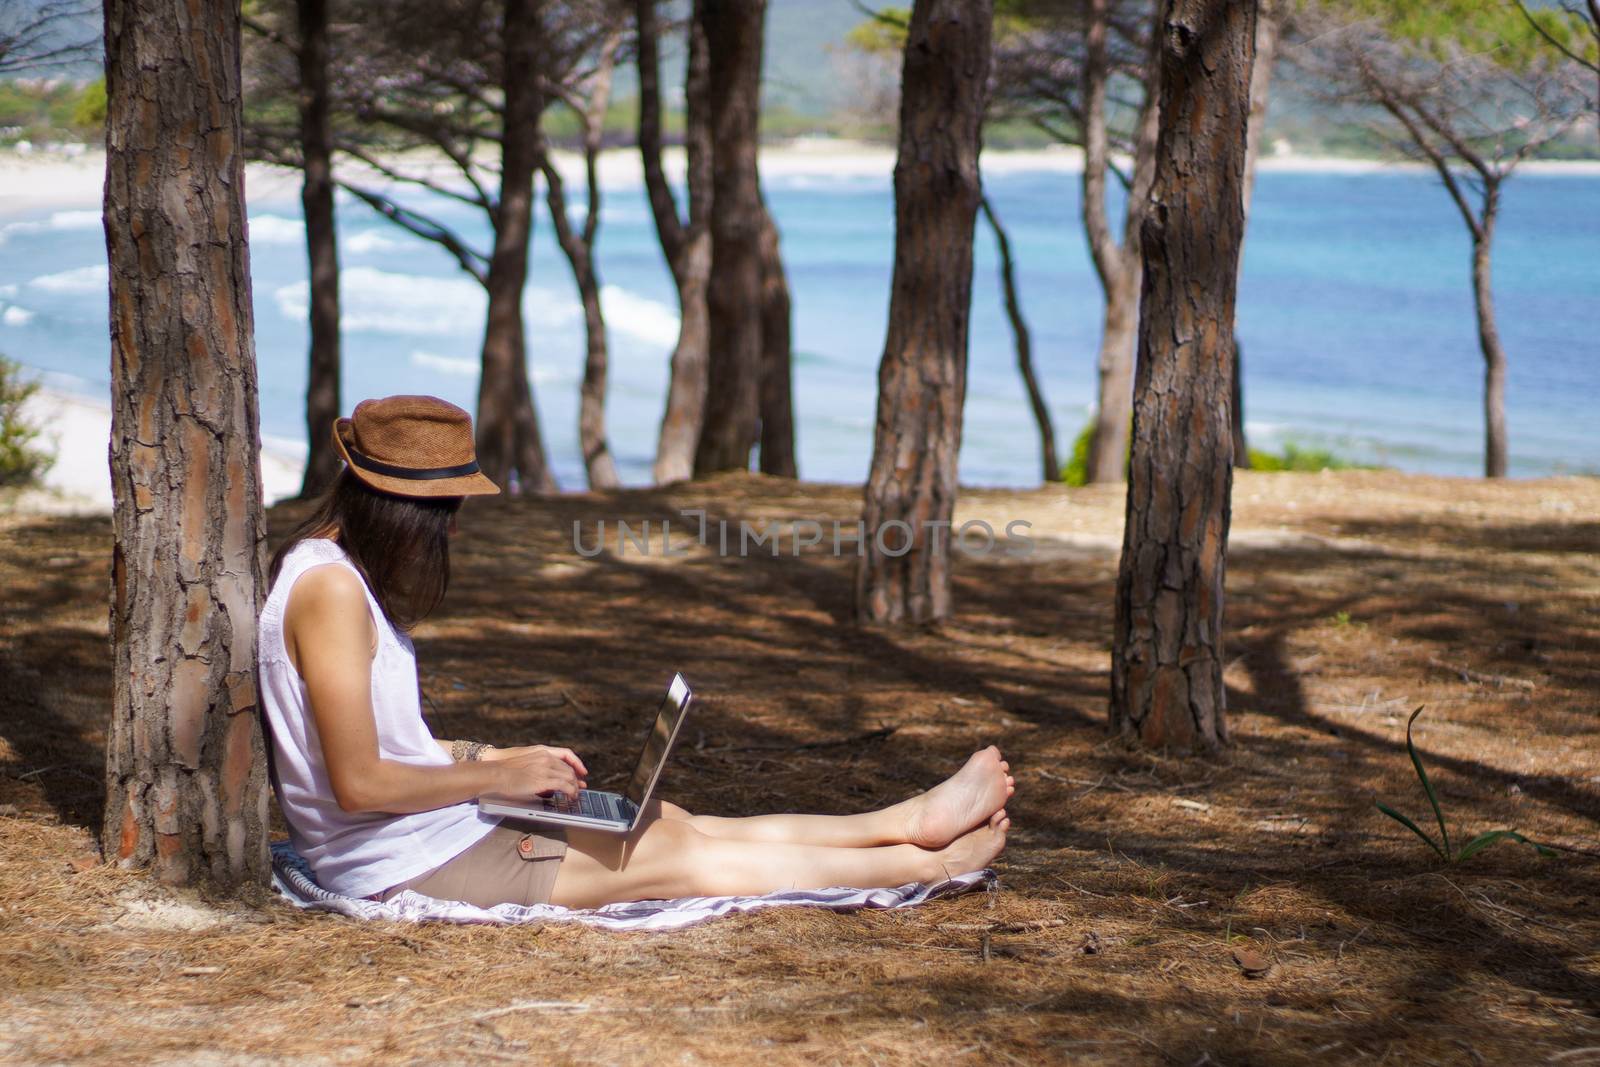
(465, 368)
(543, 376)
(638, 316)
(74, 220)
(369, 241)
(276, 230)
(377, 301)
(59, 220)
(78, 280)
(461, 367)
(16, 316)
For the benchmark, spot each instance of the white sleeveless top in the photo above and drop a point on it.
(354, 853)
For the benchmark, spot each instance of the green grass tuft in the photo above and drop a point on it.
(1075, 471)
(1295, 458)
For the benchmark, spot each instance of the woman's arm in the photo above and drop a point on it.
(330, 636)
(489, 754)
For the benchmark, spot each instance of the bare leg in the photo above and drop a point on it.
(932, 820)
(668, 858)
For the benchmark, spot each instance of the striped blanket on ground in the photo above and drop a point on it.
(292, 877)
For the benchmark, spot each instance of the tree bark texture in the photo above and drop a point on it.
(731, 427)
(186, 789)
(1494, 354)
(1116, 264)
(599, 466)
(1166, 659)
(322, 248)
(1269, 27)
(910, 494)
(1024, 346)
(777, 358)
(686, 244)
(509, 443)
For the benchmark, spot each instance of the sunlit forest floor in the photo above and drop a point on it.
(1132, 880)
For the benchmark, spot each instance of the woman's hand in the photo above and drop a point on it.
(566, 755)
(527, 772)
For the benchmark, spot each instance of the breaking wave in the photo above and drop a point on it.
(276, 230)
(78, 280)
(60, 220)
(378, 301)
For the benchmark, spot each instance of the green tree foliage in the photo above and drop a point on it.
(1443, 30)
(51, 111)
(882, 35)
(90, 111)
(22, 463)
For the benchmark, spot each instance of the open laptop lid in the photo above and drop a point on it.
(658, 742)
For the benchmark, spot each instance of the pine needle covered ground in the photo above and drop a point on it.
(1134, 884)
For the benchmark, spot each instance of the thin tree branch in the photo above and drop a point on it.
(470, 260)
(277, 37)
(478, 198)
(1558, 45)
(1440, 164)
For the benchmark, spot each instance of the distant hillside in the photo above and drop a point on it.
(800, 74)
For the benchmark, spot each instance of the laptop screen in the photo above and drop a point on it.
(658, 741)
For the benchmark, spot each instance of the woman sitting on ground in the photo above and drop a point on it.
(376, 805)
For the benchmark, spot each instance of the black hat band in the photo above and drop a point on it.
(424, 474)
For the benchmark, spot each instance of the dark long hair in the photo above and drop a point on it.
(399, 544)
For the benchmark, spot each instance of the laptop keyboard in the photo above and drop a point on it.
(587, 803)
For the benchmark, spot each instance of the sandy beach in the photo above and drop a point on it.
(42, 181)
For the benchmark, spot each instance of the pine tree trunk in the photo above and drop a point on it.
(1119, 332)
(910, 495)
(1494, 355)
(777, 357)
(1116, 264)
(1269, 27)
(322, 248)
(690, 366)
(599, 466)
(186, 789)
(731, 427)
(1024, 345)
(1166, 659)
(510, 446)
(687, 245)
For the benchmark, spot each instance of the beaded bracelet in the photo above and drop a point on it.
(467, 751)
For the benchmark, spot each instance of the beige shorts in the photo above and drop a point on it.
(508, 866)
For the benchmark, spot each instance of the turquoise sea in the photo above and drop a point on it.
(1355, 311)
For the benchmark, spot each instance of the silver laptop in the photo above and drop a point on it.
(612, 812)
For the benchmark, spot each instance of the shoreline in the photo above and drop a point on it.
(77, 429)
(43, 180)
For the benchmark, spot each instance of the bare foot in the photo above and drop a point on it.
(960, 802)
(975, 850)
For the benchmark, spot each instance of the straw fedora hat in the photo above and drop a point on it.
(412, 446)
